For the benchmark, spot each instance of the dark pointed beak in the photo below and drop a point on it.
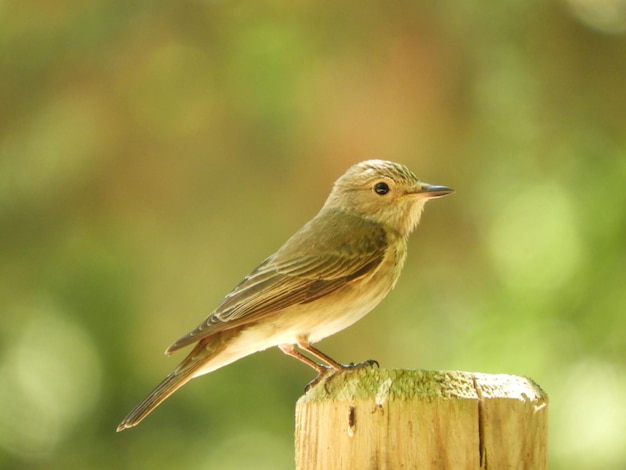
(431, 191)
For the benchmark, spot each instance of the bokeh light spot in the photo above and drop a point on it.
(606, 16)
(534, 242)
(51, 377)
(590, 414)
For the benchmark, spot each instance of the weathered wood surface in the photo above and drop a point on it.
(370, 418)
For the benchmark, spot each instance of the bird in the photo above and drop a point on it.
(327, 276)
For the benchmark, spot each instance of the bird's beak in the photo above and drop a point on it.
(431, 191)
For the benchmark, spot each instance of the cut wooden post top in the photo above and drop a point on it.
(366, 382)
(368, 418)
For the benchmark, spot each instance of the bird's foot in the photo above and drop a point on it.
(326, 372)
(368, 363)
(323, 373)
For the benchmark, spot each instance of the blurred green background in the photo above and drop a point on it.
(152, 153)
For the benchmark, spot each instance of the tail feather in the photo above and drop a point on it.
(202, 359)
(169, 385)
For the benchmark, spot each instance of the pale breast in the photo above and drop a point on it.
(335, 312)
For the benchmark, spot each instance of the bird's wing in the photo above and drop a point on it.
(312, 264)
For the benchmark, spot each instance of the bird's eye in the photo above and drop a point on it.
(381, 188)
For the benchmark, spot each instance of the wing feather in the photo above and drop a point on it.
(310, 265)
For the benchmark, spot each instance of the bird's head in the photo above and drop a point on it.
(386, 192)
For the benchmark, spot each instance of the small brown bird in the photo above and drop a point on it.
(328, 275)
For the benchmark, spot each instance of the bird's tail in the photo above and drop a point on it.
(169, 385)
(203, 358)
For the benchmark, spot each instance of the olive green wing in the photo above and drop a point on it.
(325, 255)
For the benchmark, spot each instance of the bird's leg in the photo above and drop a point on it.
(322, 370)
(306, 346)
(290, 350)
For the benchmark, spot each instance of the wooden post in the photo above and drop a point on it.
(368, 418)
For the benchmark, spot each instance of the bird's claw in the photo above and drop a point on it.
(328, 371)
(323, 372)
(368, 363)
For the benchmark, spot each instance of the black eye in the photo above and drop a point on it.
(381, 188)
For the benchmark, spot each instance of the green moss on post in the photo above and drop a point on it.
(369, 418)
